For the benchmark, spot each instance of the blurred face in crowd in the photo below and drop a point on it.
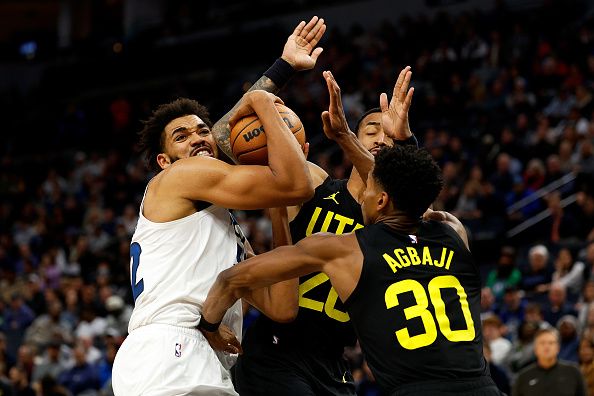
(487, 298)
(371, 134)
(491, 332)
(586, 352)
(546, 347)
(589, 291)
(564, 260)
(567, 330)
(557, 295)
(538, 261)
(185, 137)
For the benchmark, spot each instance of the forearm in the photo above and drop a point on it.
(361, 158)
(221, 130)
(280, 301)
(285, 157)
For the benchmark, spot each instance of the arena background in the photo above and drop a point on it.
(503, 100)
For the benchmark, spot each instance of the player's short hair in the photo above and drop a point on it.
(410, 176)
(360, 120)
(152, 137)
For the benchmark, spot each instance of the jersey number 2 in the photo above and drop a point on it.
(137, 288)
(420, 311)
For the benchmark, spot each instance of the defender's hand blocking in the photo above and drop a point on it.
(223, 340)
(395, 114)
(334, 121)
(300, 49)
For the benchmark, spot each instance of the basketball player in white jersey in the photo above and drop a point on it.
(186, 236)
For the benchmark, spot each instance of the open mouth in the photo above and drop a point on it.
(203, 151)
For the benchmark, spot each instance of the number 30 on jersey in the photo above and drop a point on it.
(419, 310)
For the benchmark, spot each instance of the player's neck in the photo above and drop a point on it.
(399, 222)
(355, 184)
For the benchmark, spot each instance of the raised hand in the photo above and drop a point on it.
(223, 340)
(334, 121)
(395, 114)
(300, 49)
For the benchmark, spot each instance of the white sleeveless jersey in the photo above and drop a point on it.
(174, 264)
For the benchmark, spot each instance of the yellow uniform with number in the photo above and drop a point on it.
(304, 357)
(416, 312)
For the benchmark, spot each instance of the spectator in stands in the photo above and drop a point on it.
(16, 320)
(488, 306)
(569, 273)
(538, 275)
(50, 364)
(511, 311)
(584, 303)
(522, 352)
(20, 382)
(498, 374)
(493, 335)
(557, 305)
(47, 327)
(82, 376)
(586, 355)
(506, 274)
(548, 376)
(569, 338)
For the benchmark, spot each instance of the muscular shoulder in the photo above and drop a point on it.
(318, 175)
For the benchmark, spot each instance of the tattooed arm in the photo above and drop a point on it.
(300, 53)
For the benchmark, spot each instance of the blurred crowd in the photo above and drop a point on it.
(503, 101)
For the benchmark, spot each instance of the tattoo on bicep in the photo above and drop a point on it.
(221, 130)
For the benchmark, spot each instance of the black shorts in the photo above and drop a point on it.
(481, 386)
(263, 371)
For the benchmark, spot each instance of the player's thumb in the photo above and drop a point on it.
(325, 119)
(316, 53)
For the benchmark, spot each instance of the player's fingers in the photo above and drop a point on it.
(318, 35)
(316, 53)
(306, 150)
(408, 99)
(384, 102)
(336, 89)
(276, 99)
(299, 28)
(314, 31)
(405, 84)
(399, 82)
(310, 25)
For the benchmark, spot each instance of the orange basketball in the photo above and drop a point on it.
(248, 138)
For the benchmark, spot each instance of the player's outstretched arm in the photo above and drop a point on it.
(320, 252)
(336, 128)
(299, 53)
(284, 181)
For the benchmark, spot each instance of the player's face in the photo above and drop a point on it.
(371, 134)
(189, 136)
(371, 197)
(546, 346)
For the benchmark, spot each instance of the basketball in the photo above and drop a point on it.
(248, 138)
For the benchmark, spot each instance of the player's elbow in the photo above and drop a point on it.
(299, 192)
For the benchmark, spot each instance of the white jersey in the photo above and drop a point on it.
(174, 264)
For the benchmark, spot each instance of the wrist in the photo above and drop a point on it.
(280, 72)
(409, 141)
(205, 325)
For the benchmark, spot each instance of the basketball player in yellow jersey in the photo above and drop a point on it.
(305, 357)
(186, 235)
(408, 283)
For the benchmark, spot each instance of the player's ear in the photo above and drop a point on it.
(382, 201)
(163, 160)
